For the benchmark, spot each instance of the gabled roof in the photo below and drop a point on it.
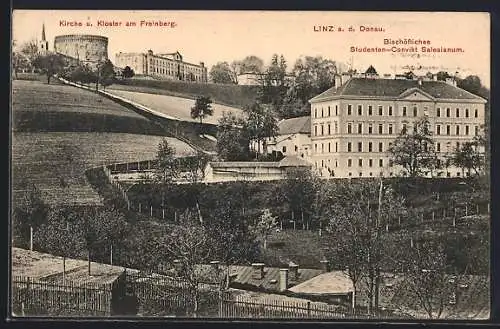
(300, 125)
(335, 282)
(293, 161)
(393, 88)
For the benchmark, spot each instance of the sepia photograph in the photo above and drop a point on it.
(289, 165)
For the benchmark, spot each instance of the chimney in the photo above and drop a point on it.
(338, 81)
(344, 78)
(258, 271)
(325, 266)
(419, 81)
(215, 265)
(294, 271)
(283, 279)
(202, 64)
(451, 81)
(435, 77)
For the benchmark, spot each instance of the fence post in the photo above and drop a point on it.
(387, 227)
(163, 213)
(411, 242)
(308, 309)
(433, 216)
(399, 220)
(477, 208)
(455, 212)
(151, 212)
(488, 207)
(454, 222)
(128, 204)
(140, 208)
(444, 213)
(465, 209)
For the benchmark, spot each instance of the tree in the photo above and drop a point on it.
(195, 165)
(61, 235)
(189, 245)
(260, 124)
(232, 141)
(414, 151)
(106, 74)
(128, 72)
(273, 84)
(49, 64)
(442, 76)
(202, 108)
(30, 213)
(313, 75)
(264, 226)
(251, 64)
(222, 73)
(355, 213)
(167, 168)
(471, 83)
(468, 157)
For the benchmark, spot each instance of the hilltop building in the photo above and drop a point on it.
(354, 123)
(43, 44)
(170, 66)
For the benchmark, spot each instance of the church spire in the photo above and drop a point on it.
(43, 32)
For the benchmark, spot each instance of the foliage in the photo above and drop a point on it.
(202, 108)
(260, 125)
(414, 150)
(273, 84)
(82, 74)
(166, 164)
(222, 73)
(442, 76)
(128, 72)
(468, 157)
(49, 64)
(471, 83)
(250, 64)
(232, 141)
(264, 226)
(106, 74)
(195, 166)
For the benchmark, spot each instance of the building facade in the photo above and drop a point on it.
(293, 138)
(85, 48)
(256, 79)
(354, 123)
(163, 66)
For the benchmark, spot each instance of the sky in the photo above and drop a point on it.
(215, 36)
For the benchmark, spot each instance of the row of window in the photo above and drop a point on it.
(448, 174)
(327, 148)
(320, 130)
(466, 130)
(371, 110)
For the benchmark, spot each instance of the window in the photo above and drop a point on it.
(329, 147)
(329, 110)
(322, 148)
(380, 147)
(448, 128)
(438, 112)
(370, 163)
(466, 113)
(349, 162)
(349, 128)
(315, 112)
(360, 147)
(350, 174)
(336, 110)
(369, 146)
(336, 147)
(284, 149)
(438, 129)
(390, 110)
(380, 129)
(476, 130)
(415, 111)
(380, 162)
(360, 174)
(360, 109)
(404, 128)
(370, 128)
(370, 110)
(360, 162)
(404, 111)
(360, 128)
(390, 129)
(329, 130)
(448, 112)
(349, 147)
(315, 148)
(475, 113)
(336, 127)
(458, 145)
(296, 148)
(457, 110)
(457, 130)
(315, 130)
(381, 110)
(467, 130)
(349, 109)
(322, 130)
(321, 112)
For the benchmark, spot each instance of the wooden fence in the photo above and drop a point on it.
(246, 308)
(31, 297)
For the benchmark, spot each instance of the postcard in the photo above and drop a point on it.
(250, 165)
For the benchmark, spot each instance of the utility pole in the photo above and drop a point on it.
(377, 243)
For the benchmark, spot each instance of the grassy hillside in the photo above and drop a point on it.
(37, 106)
(231, 95)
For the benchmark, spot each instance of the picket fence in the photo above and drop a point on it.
(31, 297)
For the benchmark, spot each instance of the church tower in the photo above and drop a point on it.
(43, 45)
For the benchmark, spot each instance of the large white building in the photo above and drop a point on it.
(354, 123)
